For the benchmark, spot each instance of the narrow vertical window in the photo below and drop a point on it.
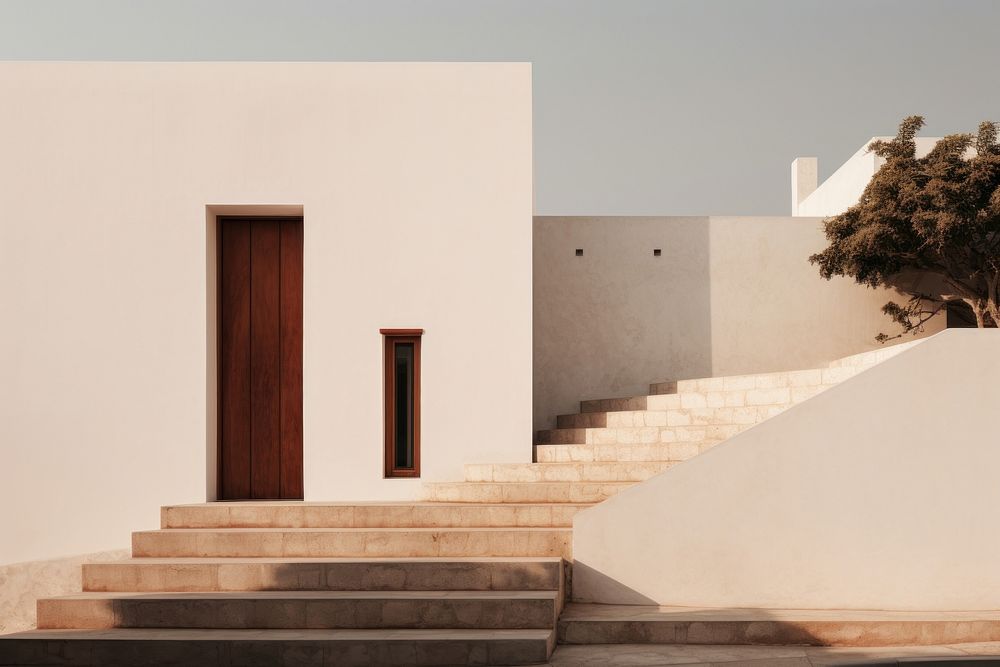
(402, 401)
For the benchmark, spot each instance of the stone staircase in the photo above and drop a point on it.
(275, 583)
(613, 443)
(476, 574)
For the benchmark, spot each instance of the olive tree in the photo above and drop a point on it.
(927, 226)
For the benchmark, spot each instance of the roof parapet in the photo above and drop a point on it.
(804, 180)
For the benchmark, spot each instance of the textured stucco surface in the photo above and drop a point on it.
(878, 493)
(21, 584)
(612, 321)
(415, 183)
(727, 295)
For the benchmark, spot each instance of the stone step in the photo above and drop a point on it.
(324, 574)
(731, 391)
(364, 515)
(638, 436)
(747, 415)
(675, 395)
(628, 471)
(767, 399)
(671, 451)
(523, 492)
(735, 398)
(630, 624)
(873, 357)
(289, 648)
(455, 609)
(814, 377)
(350, 542)
(632, 403)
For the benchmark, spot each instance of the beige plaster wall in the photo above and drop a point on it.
(612, 321)
(22, 584)
(415, 183)
(771, 310)
(728, 295)
(879, 493)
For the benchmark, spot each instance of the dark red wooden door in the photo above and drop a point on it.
(260, 358)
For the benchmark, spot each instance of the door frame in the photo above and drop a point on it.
(213, 231)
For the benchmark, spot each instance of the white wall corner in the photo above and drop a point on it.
(804, 180)
(843, 497)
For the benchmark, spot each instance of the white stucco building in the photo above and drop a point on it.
(844, 186)
(115, 177)
(323, 282)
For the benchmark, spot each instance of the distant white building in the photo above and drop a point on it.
(844, 187)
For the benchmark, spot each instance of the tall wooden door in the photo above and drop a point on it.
(260, 358)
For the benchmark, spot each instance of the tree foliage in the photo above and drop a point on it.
(927, 226)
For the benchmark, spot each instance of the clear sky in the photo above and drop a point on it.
(670, 107)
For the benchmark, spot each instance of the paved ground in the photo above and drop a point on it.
(649, 655)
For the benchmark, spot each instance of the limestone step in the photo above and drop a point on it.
(565, 472)
(629, 624)
(814, 377)
(637, 436)
(350, 542)
(731, 391)
(632, 403)
(326, 574)
(671, 451)
(873, 357)
(289, 648)
(757, 396)
(364, 515)
(523, 492)
(455, 609)
(675, 417)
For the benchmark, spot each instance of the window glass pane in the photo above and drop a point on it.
(403, 353)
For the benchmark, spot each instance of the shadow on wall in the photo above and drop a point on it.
(725, 296)
(611, 314)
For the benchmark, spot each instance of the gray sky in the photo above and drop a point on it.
(675, 107)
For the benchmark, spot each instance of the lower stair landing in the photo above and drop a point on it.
(627, 624)
(980, 654)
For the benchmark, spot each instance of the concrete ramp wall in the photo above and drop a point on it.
(880, 493)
